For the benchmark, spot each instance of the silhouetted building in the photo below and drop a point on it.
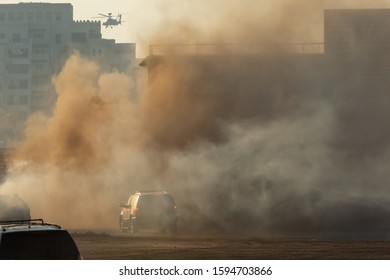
(357, 30)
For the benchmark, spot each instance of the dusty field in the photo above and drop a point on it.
(116, 246)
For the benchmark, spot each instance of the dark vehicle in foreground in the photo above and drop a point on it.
(36, 240)
(149, 210)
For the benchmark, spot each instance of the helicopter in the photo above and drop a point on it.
(111, 21)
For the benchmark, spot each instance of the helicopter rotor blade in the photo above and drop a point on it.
(104, 15)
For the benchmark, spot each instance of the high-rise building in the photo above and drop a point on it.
(35, 41)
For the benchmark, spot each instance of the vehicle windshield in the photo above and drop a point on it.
(38, 245)
(155, 202)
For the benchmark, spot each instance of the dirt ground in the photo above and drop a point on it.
(117, 246)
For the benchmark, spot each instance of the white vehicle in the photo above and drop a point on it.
(148, 210)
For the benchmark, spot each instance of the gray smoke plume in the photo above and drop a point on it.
(290, 148)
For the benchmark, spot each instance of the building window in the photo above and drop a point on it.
(2, 16)
(58, 38)
(23, 84)
(37, 96)
(23, 99)
(11, 85)
(18, 53)
(40, 80)
(38, 66)
(30, 16)
(79, 37)
(40, 51)
(36, 33)
(58, 16)
(10, 99)
(20, 16)
(39, 16)
(11, 17)
(48, 16)
(17, 68)
(18, 84)
(15, 38)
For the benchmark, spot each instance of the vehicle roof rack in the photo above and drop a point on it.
(22, 221)
(29, 222)
(151, 191)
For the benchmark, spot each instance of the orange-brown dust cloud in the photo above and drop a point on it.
(64, 168)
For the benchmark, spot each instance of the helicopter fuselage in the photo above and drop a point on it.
(111, 22)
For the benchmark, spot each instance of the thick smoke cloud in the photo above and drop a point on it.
(291, 150)
(65, 167)
(251, 144)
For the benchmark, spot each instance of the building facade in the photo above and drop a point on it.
(35, 41)
(31, 38)
(357, 30)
